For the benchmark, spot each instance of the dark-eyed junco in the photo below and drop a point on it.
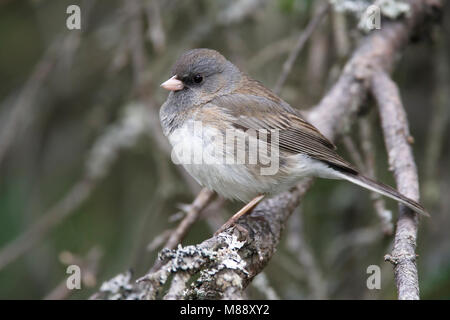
(211, 100)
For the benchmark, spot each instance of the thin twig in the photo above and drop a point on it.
(298, 246)
(369, 156)
(201, 202)
(367, 166)
(270, 52)
(354, 153)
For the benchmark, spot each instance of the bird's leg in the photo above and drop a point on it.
(247, 208)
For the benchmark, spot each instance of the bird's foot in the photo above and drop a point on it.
(246, 209)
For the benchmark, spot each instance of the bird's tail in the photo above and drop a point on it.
(382, 189)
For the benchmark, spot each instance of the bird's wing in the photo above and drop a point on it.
(296, 135)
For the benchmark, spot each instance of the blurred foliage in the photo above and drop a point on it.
(73, 86)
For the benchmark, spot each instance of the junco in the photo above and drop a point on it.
(211, 99)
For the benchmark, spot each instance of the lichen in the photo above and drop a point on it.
(217, 264)
(119, 288)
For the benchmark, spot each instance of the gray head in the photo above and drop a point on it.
(199, 75)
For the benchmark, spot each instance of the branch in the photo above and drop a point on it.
(368, 147)
(304, 36)
(195, 209)
(398, 140)
(367, 167)
(299, 247)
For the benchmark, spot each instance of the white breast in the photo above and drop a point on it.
(200, 150)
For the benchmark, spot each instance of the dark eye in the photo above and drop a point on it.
(198, 78)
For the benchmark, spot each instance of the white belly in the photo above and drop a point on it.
(195, 147)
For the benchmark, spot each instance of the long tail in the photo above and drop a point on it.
(382, 189)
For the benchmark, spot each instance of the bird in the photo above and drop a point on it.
(210, 100)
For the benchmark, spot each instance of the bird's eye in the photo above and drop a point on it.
(198, 78)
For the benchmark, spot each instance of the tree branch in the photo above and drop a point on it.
(401, 161)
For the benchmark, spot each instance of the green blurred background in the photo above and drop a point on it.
(85, 173)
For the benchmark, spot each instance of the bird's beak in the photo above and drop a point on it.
(173, 84)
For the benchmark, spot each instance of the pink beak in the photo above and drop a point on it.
(173, 84)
